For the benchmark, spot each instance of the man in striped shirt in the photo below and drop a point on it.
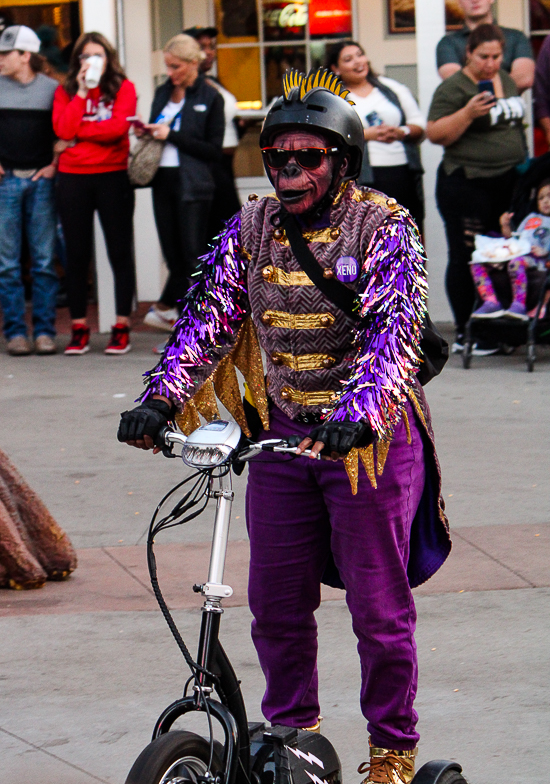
(27, 170)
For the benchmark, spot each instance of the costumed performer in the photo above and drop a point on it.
(341, 359)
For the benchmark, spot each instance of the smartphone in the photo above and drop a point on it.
(136, 122)
(486, 86)
(373, 118)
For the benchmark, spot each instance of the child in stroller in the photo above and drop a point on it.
(533, 242)
(518, 292)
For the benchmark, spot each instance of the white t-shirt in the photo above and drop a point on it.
(377, 108)
(170, 157)
(230, 138)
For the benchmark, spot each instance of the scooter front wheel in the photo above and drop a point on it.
(451, 777)
(174, 757)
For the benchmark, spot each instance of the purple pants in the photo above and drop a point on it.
(299, 511)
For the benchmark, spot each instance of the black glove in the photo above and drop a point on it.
(145, 420)
(341, 437)
(294, 441)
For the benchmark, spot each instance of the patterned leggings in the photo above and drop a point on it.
(517, 271)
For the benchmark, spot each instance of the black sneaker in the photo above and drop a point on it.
(458, 345)
(484, 348)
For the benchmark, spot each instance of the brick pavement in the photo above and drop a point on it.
(115, 578)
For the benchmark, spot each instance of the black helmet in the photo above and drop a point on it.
(317, 101)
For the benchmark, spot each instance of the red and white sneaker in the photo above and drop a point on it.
(120, 340)
(80, 340)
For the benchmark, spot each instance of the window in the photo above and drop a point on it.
(539, 18)
(166, 21)
(259, 39)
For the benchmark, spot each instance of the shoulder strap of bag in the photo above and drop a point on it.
(433, 346)
(333, 290)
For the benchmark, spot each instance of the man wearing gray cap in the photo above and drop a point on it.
(27, 171)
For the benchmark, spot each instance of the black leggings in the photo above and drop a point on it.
(78, 197)
(468, 207)
(405, 186)
(183, 232)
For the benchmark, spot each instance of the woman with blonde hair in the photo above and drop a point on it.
(188, 115)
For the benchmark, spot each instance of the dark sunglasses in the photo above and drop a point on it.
(307, 157)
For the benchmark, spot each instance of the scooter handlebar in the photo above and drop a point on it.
(271, 445)
(167, 437)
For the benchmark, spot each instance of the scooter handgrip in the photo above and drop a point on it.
(160, 441)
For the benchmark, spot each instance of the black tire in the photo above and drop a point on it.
(531, 357)
(177, 753)
(452, 777)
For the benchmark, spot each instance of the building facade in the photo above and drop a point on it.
(258, 40)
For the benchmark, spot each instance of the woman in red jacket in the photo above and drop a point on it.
(93, 176)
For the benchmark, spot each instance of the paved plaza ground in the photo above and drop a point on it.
(87, 665)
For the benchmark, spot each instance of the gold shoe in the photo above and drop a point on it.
(316, 727)
(387, 766)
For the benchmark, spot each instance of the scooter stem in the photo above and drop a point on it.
(224, 499)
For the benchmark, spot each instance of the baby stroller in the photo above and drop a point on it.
(508, 332)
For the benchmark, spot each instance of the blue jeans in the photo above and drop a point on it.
(32, 205)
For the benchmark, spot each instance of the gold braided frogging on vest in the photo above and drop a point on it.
(282, 320)
(246, 354)
(283, 278)
(223, 384)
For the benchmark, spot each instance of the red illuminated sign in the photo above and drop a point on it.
(330, 17)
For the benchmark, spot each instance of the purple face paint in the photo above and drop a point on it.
(346, 269)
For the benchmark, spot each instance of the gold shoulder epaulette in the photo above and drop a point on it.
(376, 198)
(253, 197)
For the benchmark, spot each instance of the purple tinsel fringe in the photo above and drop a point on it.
(393, 303)
(213, 310)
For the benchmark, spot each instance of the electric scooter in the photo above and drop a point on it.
(252, 753)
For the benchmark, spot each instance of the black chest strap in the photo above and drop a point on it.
(333, 290)
(434, 348)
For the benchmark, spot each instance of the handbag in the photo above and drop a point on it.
(144, 161)
(433, 346)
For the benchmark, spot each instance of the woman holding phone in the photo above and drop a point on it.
(90, 114)
(187, 115)
(477, 116)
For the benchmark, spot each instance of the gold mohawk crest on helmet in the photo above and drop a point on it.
(318, 77)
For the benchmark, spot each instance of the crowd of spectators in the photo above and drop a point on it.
(64, 152)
